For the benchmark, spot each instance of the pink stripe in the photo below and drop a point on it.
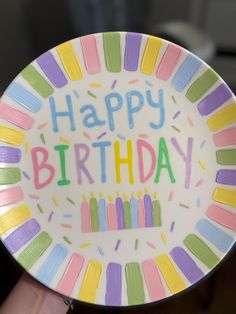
(11, 196)
(71, 274)
(153, 280)
(141, 213)
(168, 62)
(112, 217)
(222, 216)
(16, 117)
(86, 217)
(90, 53)
(225, 137)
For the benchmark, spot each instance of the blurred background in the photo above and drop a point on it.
(205, 27)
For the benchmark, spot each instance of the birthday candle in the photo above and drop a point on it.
(148, 209)
(127, 212)
(111, 214)
(85, 215)
(134, 211)
(120, 212)
(141, 210)
(94, 213)
(102, 213)
(156, 207)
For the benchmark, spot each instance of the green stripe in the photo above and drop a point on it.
(112, 51)
(94, 214)
(226, 156)
(128, 224)
(156, 210)
(134, 282)
(34, 250)
(201, 85)
(37, 81)
(9, 175)
(201, 250)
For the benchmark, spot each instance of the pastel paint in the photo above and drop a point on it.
(134, 281)
(94, 214)
(102, 215)
(153, 280)
(222, 216)
(11, 195)
(222, 118)
(16, 117)
(170, 274)
(37, 81)
(225, 138)
(51, 265)
(112, 222)
(132, 49)
(216, 236)
(201, 250)
(86, 217)
(32, 253)
(9, 175)
(134, 212)
(22, 235)
(185, 72)
(226, 176)
(11, 136)
(226, 157)
(23, 97)
(201, 85)
(113, 284)
(214, 100)
(148, 211)
(127, 215)
(156, 211)
(112, 51)
(71, 274)
(150, 55)
(168, 62)
(90, 53)
(51, 69)
(14, 217)
(120, 213)
(69, 61)
(90, 283)
(225, 196)
(10, 154)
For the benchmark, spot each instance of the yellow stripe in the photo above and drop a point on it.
(14, 217)
(225, 196)
(90, 282)
(11, 135)
(170, 274)
(70, 61)
(222, 118)
(150, 55)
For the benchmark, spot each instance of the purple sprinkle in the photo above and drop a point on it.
(117, 245)
(113, 84)
(172, 226)
(176, 115)
(50, 216)
(26, 175)
(101, 135)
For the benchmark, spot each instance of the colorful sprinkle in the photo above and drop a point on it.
(85, 134)
(67, 215)
(96, 85)
(176, 115)
(76, 93)
(54, 200)
(50, 216)
(198, 202)
(117, 245)
(202, 143)
(70, 200)
(148, 83)
(202, 164)
(136, 244)
(174, 100)
(91, 94)
(164, 238)
(175, 128)
(121, 137)
(183, 205)
(34, 197)
(171, 196)
(151, 245)
(42, 138)
(84, 245)
(143, 135)
(67, 226)
(64, 140)
(40, 208)
(199, 183)
(41, 126)
(67, 240)
(27, 145)
(133, 81)
(113, 84)
(26, 175)
(172, 226)
(101, 135)
(100, 250)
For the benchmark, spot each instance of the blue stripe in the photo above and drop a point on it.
(102, 215)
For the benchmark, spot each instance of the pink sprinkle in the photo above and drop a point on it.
(50, 216)
(87, 135)
(66, 226)
(190, 121)
(113, 84)
(133, 81)
(176, 115)
(41, 126)
(34, 197)
(151, 245)
(143, 135)
(199, 183)
(171, 196)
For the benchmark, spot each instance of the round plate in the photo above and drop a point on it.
(118, 169)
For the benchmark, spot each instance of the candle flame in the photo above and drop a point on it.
(146, 190)
(133, 195)
(92, 194)
(155, 195)
(110, 198)
(101, 195)
(126, 197)
(140, 194)
(84, 197)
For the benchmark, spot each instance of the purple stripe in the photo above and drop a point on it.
(148, 211)
(226, 176)
(186, 264)
(9, 154)
(120, 213)
(214, 100)
(132, 47)
(114, 284)
(51, 69)
(18, 238)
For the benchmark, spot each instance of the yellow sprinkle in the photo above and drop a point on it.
(64, 140)
(163, 237)
(84, 197)
(26, 147)
(54, 200)
(95, 85)
(92, 194)
(155, 195)
(140, 194)
(126, 197)
(101, 195)
(84, 245)
(110, 198)
(202, 164)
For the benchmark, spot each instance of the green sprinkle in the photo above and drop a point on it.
(174, 100)
(91, 94)
(67, 240)
(40, 208)
(183, 205)
(42, 138)
(70, 200)
(136, 244)
(175, 128)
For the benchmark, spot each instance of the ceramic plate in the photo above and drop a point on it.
(118, 154)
